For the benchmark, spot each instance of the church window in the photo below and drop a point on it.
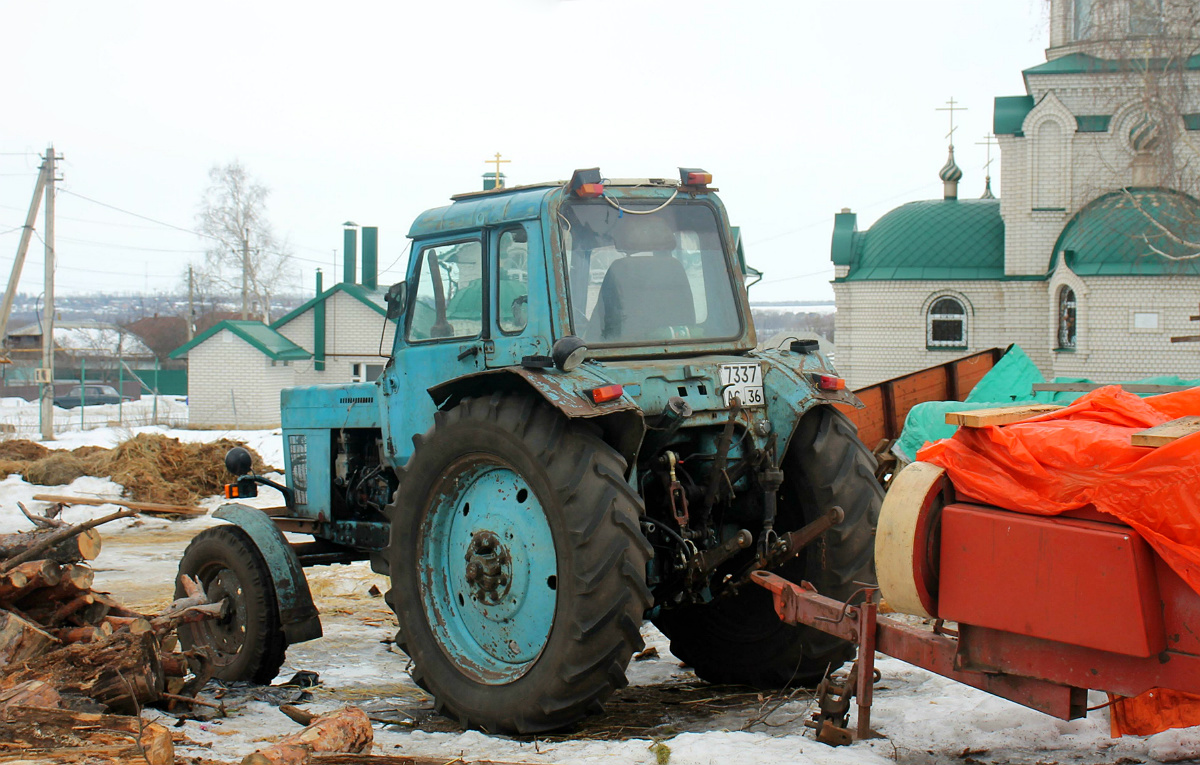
(1066, 318)
(1146, 17)
(1083, 26)
(1050, 161)
(947, 324)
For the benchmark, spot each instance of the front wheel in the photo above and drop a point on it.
(246, 641)
(518, 566)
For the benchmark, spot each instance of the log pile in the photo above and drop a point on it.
(68, 652)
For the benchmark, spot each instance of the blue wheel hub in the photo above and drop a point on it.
(488, 573)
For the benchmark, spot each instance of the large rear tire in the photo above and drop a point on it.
(518, 566)
(739, 639)
(246, 642)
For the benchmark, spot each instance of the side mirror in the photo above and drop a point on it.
(396, 299)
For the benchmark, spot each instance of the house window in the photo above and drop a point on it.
(947, 324)
(1066, 318)
(362, 372)
(1145, 321)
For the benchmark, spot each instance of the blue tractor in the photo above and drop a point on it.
(575, 432)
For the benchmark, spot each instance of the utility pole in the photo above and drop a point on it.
(10, 294)
(47, 391)
(245, 277)
(191, 305)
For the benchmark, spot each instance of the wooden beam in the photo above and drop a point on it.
(141, 507)
(979, 418)
(1161, 435)
(1127, 387)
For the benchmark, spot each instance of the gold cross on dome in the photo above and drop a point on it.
(497, 162)
(952, 108)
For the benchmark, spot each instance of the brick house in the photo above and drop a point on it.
(1079, 262)
(237, 369)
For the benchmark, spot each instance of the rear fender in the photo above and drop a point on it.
(297, 614)
(620, 422)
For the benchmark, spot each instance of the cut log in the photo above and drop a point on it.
(134, 624)
(74, 580)
(21, 639)
(28, 577)
(122, 672)
(345, 730)
(154, 739)
(33, 693)
(142, 507)
(173, 664)
(54, 538)
(85, 634)
(1005, 415)
(11, 583)
(83, 546)
(1161, 435)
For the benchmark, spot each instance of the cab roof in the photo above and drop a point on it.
(496, 207)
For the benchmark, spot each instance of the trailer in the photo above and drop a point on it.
(1033, 608)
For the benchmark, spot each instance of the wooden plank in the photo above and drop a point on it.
(141, 507)
(980, 418)
(1161, 435)
(1085, 387)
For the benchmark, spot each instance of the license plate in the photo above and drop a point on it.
(743, 381)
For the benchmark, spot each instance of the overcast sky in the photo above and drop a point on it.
(373, 112)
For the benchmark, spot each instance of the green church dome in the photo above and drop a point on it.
(1117, 234)
(933, 239)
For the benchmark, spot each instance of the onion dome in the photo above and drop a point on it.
(987, 188)
(950, 171)
(1146, 133)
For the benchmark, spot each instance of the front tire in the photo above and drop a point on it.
(740, 639)
(246, 642)
(517, 565)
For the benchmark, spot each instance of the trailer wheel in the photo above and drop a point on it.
(517, 565)
(740, 639)
(246, 642)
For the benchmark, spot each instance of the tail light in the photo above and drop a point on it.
(829, 382)
(606, 393)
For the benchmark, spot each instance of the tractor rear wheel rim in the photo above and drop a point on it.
(489, 575)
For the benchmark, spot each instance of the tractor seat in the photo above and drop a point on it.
(642, 298)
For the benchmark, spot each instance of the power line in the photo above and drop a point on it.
(136, 215)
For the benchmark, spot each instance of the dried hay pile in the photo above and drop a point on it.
(151, 467)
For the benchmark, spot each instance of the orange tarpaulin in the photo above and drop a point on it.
(1081, 455)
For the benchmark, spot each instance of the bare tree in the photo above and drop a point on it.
(243, 251)
(1151, 88)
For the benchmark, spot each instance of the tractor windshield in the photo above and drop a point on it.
(657, 277)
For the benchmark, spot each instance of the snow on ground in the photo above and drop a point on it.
(923, 718)
(25, 417)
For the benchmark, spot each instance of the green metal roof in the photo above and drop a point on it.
(257, 334)
(1113, 234)
(1082, 63)
(936, 239)
(1009, 114)
(373, 299)
(1191, 121)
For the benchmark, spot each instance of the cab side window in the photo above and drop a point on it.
(449, 295)
(512, 284)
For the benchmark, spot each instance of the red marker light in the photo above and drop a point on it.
(589, 190)
(607, 393)
(699, 179)
(830, 382)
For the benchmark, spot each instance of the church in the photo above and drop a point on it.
(1090, 260)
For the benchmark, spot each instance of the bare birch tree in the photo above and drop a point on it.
(243, 253)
